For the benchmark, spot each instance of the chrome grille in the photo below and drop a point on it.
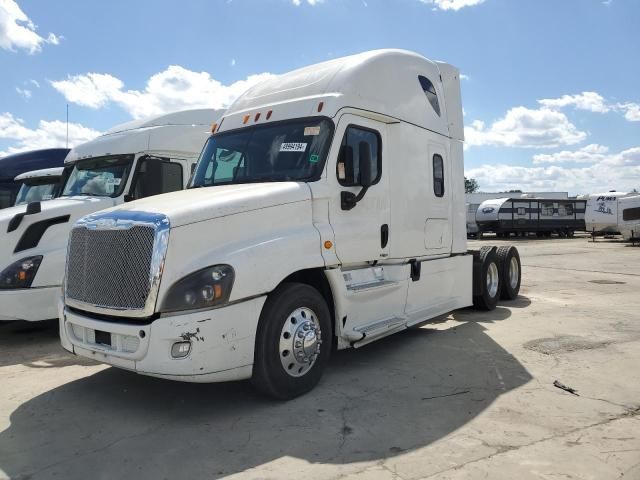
(110, 268)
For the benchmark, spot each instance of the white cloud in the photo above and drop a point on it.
(35, 83)
(464, 77)
(452, 4)
(590, 101)
(17, 31)
(589, 154)
(611, 171)
(310, 2)
(524, 127)
(26, 93)
(631, 111)
(48, 134)
(175, 88)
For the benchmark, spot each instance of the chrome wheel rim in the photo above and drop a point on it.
(300, 341)
(514, 272)
(492, 279)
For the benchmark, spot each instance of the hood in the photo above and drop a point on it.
(75, 207)
(201, 204)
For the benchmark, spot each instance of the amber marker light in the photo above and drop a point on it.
(213, 127)
(257, 117)
(246, 119)
(320, 106)
(328, 244)
(269, 114)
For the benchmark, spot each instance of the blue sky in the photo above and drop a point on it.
(551, 96)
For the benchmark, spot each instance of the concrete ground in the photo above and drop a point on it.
(470, 396)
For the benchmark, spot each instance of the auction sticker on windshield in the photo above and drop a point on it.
(311, 131)
(293, 147)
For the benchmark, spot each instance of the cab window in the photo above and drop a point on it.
(438, 175)
(348, 170)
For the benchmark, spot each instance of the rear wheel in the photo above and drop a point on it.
(293, 341)
(487, 276)
(510, 272)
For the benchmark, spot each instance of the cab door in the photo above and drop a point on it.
(362, 229)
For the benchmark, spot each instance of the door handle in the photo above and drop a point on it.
(384, 235)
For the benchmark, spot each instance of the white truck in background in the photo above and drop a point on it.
(39, 185)
(327, 211)
(131, 161)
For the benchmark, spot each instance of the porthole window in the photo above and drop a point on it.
(430, 91)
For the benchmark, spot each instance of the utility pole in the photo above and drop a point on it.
(67, 142)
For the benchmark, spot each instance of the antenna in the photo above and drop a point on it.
(67, 141)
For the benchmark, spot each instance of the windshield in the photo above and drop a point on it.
(290, 150)
(37, 192)
(101, 176)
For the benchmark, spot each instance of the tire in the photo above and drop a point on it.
(488, 290)
(292, 309)
(510, 272)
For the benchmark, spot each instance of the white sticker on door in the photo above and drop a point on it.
(293, 147)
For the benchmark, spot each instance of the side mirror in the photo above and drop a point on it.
(33, 208)
(345, 165)
(364, 164)
(349, 200)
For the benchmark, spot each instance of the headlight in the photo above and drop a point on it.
(20, 274)
(205, 288)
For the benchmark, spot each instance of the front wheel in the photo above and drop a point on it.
(293, 341)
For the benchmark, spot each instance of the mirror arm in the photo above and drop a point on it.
(349, 200)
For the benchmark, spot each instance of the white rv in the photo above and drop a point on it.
(327, 210)
(601, 215)
(629, 217)
(131, 161)
(39, 185)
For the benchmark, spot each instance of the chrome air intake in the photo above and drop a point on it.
(114, 263)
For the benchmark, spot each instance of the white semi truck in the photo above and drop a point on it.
(39, 185)
(327, 211)
(131, 161)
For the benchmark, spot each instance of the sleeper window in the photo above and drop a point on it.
(630, 214)
(430, 91)
(348, 170)
(438, 176)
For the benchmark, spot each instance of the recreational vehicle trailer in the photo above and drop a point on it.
(327, 209)
(602, 212)
(13, 165)
(135, 160)
(506, 216)
(629, 217)
(475, 199)
(39, 185)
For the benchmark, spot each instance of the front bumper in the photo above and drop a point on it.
(222, 342)
(30, 304)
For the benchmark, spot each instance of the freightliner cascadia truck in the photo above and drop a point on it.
(327, 211)
(131, 161)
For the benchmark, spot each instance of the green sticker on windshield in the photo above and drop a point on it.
(314, 158)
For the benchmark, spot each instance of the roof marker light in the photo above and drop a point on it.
(213, 127)
(269, 114)
(245, 119)
(257, 117)
(320, 106)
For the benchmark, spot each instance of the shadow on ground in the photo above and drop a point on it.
(393, 396)
(34, 345)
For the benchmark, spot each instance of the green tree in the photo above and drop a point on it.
(470, 185)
